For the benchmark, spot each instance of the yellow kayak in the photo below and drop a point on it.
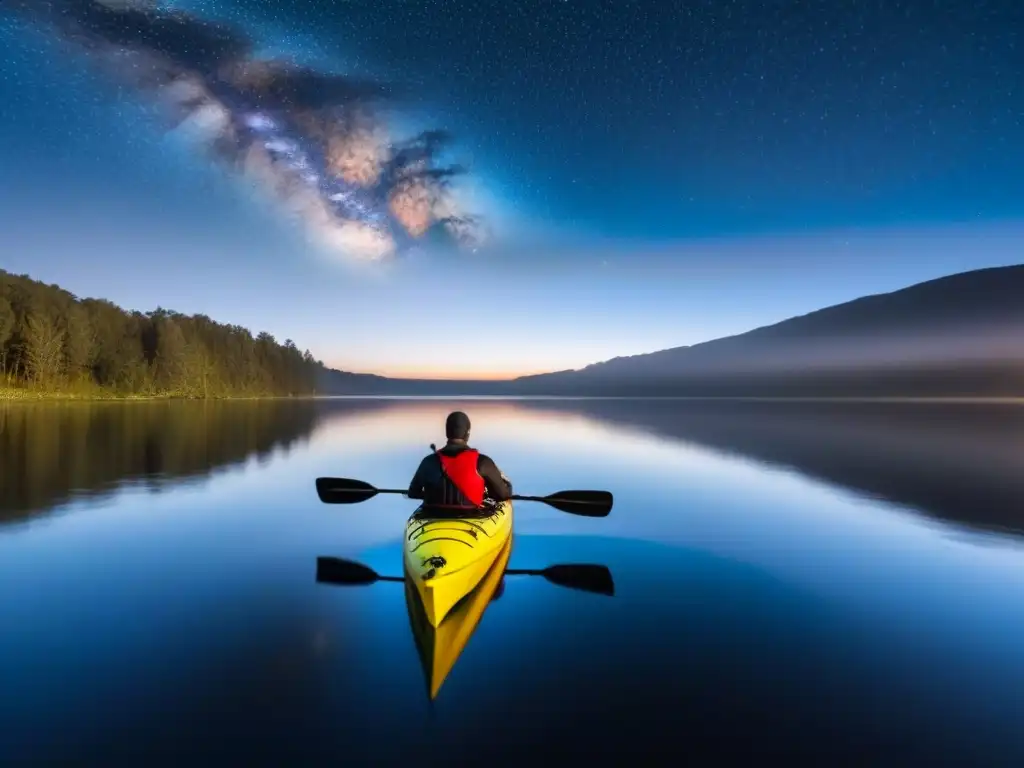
(440, 647)
(446, 557)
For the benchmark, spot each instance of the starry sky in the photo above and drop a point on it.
(549, 183)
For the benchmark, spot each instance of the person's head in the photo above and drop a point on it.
(456, 426)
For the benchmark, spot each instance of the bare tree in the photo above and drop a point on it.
(44, 348)
(8, 320)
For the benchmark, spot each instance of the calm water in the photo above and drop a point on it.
(811, 581)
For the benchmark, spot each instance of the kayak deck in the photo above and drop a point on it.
(440, 647)
(447, 556)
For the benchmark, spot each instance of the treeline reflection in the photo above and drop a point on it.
(958, 463)
(50, 453)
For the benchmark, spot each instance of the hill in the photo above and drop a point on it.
(957, 335)
(335, 382)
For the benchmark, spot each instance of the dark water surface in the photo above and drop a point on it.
(838, 584)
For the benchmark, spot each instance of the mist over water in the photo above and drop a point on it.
(836, 582)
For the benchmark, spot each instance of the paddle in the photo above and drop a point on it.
(584, 577)
(341, 490)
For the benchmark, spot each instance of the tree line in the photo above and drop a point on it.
(51, 340)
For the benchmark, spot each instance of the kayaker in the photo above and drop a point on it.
(457, 475)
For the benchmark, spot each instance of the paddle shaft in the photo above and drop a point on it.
(547, 500)
(513, 497)
(336, 490)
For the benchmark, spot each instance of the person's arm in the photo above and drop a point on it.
(416, 485)
(499, 487)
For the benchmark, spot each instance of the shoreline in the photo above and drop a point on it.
(19, 395)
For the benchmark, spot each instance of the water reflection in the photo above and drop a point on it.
(51, 453)
(758, 610)
(962, 464)
(439, 648)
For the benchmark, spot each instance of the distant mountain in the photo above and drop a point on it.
(335, 382)
(957, 335)
(961, 335)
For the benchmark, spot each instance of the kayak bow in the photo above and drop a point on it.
(447, 556)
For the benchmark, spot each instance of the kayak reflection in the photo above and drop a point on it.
(440, 647)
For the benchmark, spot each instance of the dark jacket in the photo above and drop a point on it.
(427, 483)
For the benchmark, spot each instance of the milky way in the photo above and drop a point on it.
(315, 140)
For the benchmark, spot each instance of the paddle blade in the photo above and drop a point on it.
(334, 570)
(582, 503)
(587, 578)
(340, 490)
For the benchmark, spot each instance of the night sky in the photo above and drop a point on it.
(579, 179)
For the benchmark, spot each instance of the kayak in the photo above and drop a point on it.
(447, 556)
(440, 647)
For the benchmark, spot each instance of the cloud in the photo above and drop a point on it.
(311, 139)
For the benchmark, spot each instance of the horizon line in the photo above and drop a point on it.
(499, 378)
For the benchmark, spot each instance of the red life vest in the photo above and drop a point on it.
(460, 469)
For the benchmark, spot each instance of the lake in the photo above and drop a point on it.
(821, 582)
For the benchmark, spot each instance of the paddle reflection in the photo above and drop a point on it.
(440, 647)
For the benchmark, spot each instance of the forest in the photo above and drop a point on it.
(52, 342)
